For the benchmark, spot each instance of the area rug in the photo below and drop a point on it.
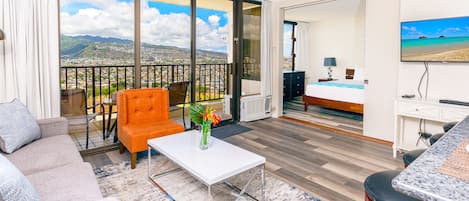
(121, 182)
(229, 130)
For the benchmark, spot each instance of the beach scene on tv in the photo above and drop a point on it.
(445, 40)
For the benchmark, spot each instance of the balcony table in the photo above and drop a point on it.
(422, 179)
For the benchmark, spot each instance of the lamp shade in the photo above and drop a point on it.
(330, 61)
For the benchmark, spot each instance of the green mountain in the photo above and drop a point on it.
(95, 50)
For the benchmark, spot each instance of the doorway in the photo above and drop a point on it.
(323, 81)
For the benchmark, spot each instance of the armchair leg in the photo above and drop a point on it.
(133, 160)
(121, 148)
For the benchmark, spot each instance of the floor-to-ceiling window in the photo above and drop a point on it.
(97, 59)
(214, 55)
(99, 55)
(289, 40)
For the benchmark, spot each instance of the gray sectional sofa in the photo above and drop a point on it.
(54, 166)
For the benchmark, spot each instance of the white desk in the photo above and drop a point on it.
(423, 109)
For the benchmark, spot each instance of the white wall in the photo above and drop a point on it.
(381, 67)
(389, 78)
(447, 81)
(340, 38)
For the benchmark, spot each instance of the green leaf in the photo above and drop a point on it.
(195, 113)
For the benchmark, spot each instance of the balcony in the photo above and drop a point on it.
(100, 82)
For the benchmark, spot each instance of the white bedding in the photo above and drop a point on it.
(344, 94)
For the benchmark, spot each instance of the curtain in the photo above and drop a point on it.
(29, 55)
(266, 49)
(302, 46)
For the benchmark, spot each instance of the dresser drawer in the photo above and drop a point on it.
(450, 115)
(428, 111)
(298, 92)
(298, 76)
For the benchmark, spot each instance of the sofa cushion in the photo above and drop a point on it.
(17, 126)
(45, 154)
(70, 182)
(14, 186)
(135, 136)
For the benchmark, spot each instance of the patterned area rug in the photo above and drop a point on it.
(121, 182)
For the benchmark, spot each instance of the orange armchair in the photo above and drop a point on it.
(143, 114)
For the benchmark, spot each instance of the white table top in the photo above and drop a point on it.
(220, 161)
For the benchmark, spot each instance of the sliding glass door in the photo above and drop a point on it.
(214, 27)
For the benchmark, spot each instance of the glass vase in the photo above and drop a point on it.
(205, 137)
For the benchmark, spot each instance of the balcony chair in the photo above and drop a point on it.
(378, 186)
(74, 107)
(177, 96)
(143, 114)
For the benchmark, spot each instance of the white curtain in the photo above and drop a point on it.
(29, 55)
(303, 46)
(266, 48)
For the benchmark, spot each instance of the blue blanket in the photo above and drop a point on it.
(340, 84)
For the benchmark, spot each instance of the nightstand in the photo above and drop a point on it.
(326, 80)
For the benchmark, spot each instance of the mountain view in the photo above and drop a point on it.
(96, 50)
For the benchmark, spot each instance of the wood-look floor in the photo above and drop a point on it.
(330, 166)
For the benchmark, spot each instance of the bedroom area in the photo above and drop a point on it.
(323, 78)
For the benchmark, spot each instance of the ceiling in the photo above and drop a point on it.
(326, 10)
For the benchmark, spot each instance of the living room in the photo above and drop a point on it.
(162, 127)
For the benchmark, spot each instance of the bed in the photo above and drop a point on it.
(345, 95)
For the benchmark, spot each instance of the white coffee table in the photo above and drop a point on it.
(219, 162)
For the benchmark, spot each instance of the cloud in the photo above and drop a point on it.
(214, 20)
(113, 18)
(452, 30)
(413, 29)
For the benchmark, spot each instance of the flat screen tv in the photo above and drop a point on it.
(436, 40)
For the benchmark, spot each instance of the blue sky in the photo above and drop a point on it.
(201, 13)
(451, 27)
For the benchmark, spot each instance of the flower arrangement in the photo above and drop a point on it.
(204, 116)
(200, 114)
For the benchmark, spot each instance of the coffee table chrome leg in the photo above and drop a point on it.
(149, 161)
(263, 182)
(209, 190)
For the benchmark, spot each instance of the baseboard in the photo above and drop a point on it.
(348, 133)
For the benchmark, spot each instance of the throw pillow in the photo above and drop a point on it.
(14, 186)
(17, 126)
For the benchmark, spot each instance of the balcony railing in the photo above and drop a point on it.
(212, 80)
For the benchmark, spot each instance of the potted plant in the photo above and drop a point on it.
(205, 117)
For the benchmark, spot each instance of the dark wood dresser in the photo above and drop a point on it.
(293, 84)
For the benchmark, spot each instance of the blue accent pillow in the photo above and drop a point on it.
(14, 186)
(17, 126)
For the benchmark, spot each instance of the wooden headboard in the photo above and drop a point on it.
(349, 72)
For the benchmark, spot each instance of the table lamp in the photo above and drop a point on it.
(330, 62)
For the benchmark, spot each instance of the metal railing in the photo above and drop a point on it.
(212, 80)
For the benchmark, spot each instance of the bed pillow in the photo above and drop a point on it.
(358, 74)
(14, 186)
(17, 126)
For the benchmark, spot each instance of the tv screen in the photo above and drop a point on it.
(437, 40)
